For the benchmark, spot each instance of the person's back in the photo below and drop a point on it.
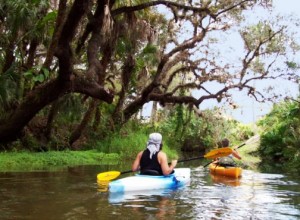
(228, 161)
(150, 165)
(152, 160)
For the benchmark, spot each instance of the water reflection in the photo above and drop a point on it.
(255, 198)
(74, 194)
(217, 179)
(140, 195)
(103, 186)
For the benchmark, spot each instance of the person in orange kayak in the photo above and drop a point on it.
(228, 161)
(152, 161)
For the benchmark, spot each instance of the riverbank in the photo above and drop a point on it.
(51, 160)
(29, 161)
(124, 148)
(249, 158)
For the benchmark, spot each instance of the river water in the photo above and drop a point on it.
(73, 193)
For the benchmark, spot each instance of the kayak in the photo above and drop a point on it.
(234, 172)
(179, 178)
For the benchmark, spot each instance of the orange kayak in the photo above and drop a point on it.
(234, 172)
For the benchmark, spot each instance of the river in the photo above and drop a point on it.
(73, 193)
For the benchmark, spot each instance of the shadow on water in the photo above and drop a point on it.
(73, 193)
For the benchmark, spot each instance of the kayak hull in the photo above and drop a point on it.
(179, 178)
(234, 172)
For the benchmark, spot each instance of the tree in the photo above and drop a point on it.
(280, 137)
(127, 53)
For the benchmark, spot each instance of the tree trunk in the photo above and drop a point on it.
(51, 116)
(153, 112)
(97, 118)
(11, 126)
(85, 121)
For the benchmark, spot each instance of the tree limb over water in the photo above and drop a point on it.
(127, 55)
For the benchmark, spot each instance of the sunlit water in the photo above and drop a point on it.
(74, 194)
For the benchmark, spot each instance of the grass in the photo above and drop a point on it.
(110, 151)
(128, 146)
(249, 159)
(28, 161)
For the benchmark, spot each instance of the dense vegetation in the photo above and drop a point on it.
(72, 71)
(132, 138)
(280, 139)
(75, 75)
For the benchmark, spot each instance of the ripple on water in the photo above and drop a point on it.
(62, 196)
(258, 196)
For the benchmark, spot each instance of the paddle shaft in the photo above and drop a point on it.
(179, 161)
(240, 146)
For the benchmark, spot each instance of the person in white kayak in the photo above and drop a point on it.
(152, 161)
(227, 161)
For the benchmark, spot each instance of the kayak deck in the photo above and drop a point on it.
(234, 172)
(179, 178)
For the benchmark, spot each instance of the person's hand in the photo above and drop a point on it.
(174, 163)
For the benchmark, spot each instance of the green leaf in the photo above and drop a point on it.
(51, 16)
(46, 72)
(39, 78)
(292, 65)
(28, 74)
(150, 48)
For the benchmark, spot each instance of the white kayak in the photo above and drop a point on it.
(179, 178)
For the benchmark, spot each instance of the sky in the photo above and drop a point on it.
(287, 6)
(249, 111)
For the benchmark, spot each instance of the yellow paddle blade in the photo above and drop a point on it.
(220, 152)
(107, 176)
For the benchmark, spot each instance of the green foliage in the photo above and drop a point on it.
(28, 16)
(35, 76)
(23, 21)
(71, 108)
(28, 23)
(239, 132)
(8, 82)
(256, 34)
(182, 124)
(122, 143)
(28, 161)
(280, 140)
(129, 141)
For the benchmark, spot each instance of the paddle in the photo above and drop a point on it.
(221, 152)
(251, 140)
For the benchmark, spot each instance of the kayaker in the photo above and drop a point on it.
(152, 161)
(228, 161)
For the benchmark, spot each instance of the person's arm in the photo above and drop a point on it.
(236, 154)
(136, 163)
(163, 160)
(216, 160)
